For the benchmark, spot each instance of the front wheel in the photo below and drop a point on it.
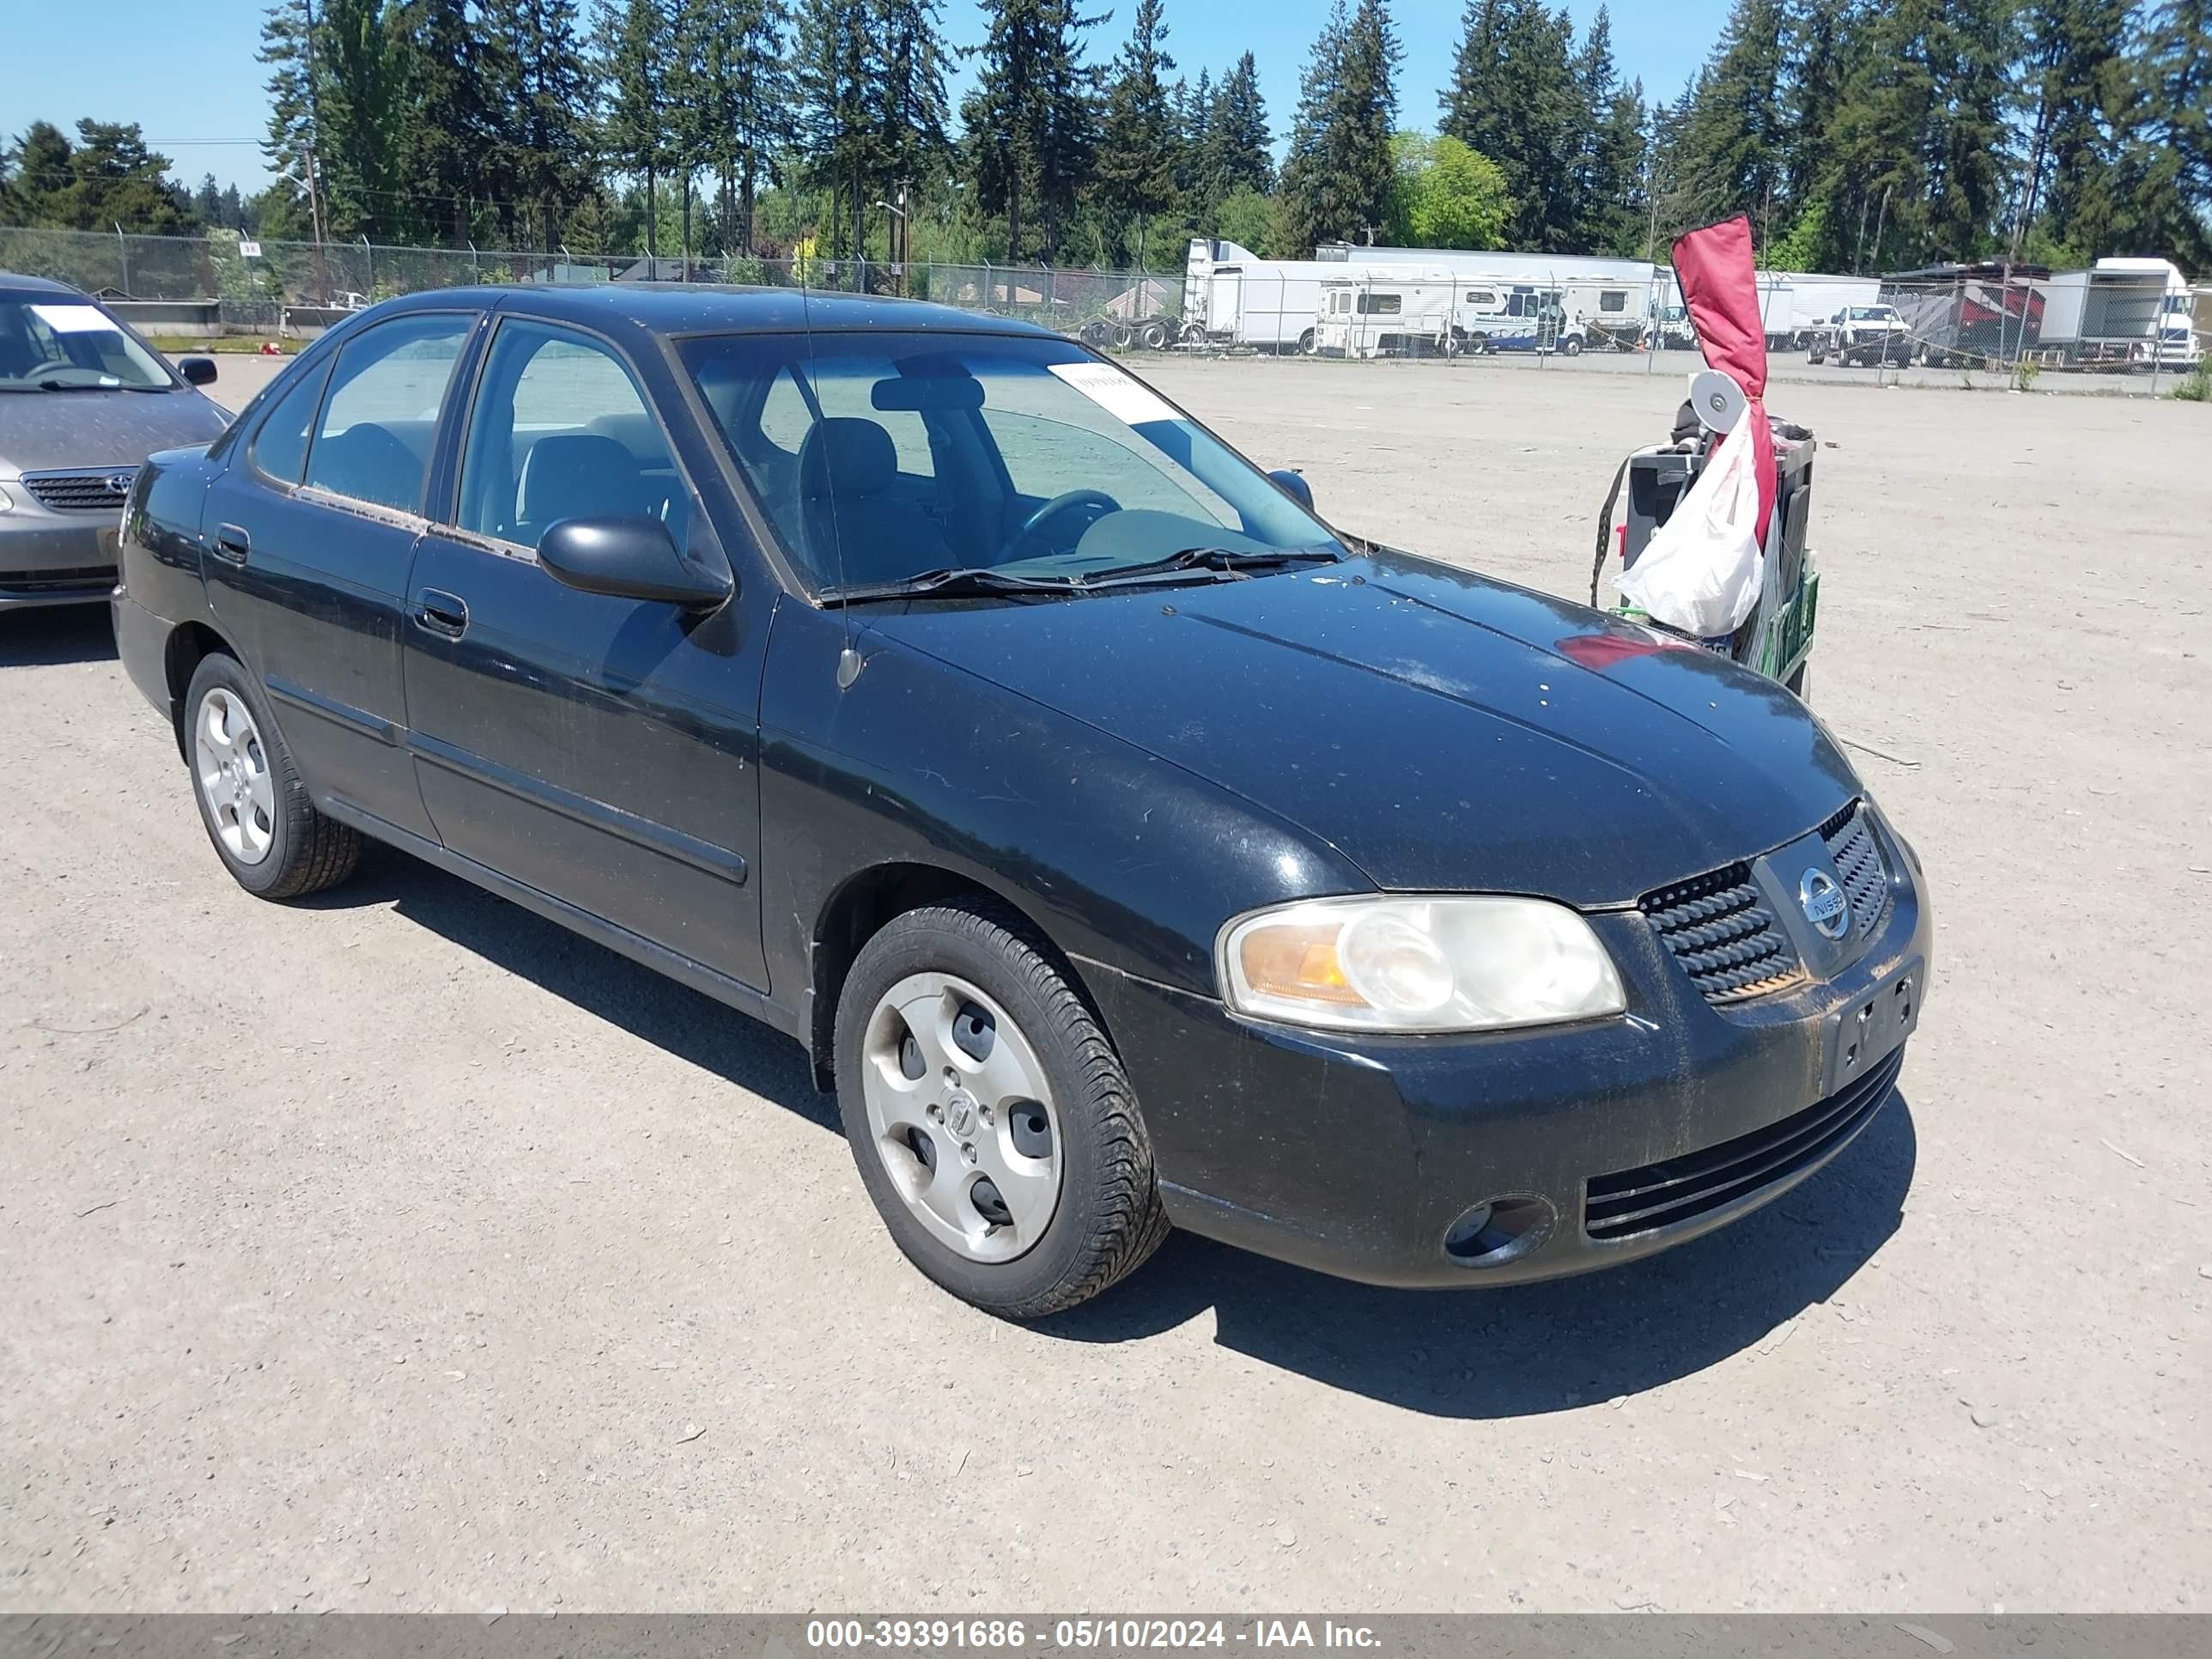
(993, 1126)
(266, 830)
(1306, 346)
(1571, 346)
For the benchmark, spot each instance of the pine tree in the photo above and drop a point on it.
(1134, 176)
(1608, 185)
(539, 84)
(1734, 145)
(1032, 119)
(1515, 98)
(910, 111)
(450, 127)
(1236, 152)
(2169, 189)
(1339, 177)
(635, 49)
(833, 65)
(742, 94)
(2074, 93)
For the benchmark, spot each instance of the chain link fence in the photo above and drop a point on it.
(223, 283)
(1989, 325)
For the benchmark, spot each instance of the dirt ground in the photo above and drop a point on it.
(400, 1250)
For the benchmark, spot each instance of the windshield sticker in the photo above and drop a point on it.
(73, 319)
(1127, 399)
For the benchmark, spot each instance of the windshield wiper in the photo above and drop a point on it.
(962, 583)
(1226, 560)
(76, 385)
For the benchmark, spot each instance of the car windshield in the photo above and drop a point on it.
(1872, 314)
(880, 457)
(60, 342)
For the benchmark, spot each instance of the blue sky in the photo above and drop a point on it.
(186, 72)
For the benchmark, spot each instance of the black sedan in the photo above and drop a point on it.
(1128, 848)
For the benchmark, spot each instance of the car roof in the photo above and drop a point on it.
(706, 308)
(10, 280)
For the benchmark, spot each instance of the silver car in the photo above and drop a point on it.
(82, 401)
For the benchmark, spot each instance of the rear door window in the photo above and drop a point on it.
(373, 442)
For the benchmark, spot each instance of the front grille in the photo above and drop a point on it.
(32, 582)
(1719, 928)
(1851, 844)
(90, 491)
(1630, 1202)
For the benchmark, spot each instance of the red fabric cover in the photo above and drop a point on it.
(1719, 281)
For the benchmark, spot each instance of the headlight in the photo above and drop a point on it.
(1417, 964)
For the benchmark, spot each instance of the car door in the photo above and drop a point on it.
(600, 750)
(310, 531)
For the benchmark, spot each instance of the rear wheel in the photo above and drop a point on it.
(991, 1122)
(1153, 335)
(1306, 346)
(267, 832)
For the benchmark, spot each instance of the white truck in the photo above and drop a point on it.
(1861, 335)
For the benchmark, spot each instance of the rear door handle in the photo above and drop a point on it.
(437, 611)
(231, 543)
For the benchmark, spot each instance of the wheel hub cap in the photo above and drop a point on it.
(946, 1137)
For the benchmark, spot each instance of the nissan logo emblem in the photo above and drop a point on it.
(1824, 903)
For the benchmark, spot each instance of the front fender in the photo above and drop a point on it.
(1117, 856)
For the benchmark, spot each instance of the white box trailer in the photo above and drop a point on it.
(1232, 296)
(2119, 313)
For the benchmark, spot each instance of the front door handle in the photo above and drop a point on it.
(231, 543)
(438, 612)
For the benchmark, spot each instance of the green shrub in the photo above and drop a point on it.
(2196, 387)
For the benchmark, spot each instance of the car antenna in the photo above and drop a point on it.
(849, 661)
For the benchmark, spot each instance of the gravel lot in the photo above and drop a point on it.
(402, 1251)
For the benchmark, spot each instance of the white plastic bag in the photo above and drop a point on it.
(1701, 572)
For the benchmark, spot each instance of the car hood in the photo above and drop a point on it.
(1440, 730)
(62, 430)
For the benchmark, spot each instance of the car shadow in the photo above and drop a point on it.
(1529, 1349)
(686, 1022)
(1516, 1351)
(52, 635)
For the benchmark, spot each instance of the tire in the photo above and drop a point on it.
(1571, 346)
(1814, 355)
(1306, 346)
(1478, 342)
(1449, 343)
(1105, 1218)
(255, 809)
(1153, 335)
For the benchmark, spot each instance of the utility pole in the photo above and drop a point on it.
(307, 151)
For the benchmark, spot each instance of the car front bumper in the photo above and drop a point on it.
(49, 557)
(1596, 1143)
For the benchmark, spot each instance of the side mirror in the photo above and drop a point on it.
(629, 558)
(1294, 485)
(197, 371)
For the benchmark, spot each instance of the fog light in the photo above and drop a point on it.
(1498, 1231)
(1463, 1238)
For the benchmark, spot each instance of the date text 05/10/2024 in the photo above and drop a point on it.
(1009, 1635)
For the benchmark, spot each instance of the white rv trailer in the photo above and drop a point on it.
(1601, 294)
(1232, 295)
(1383, 311)
(1378, 311)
